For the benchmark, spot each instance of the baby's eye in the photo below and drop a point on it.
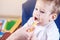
(36, 9)
(42, 11)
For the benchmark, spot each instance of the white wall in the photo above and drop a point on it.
(10, 8)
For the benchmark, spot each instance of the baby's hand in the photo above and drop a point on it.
(32, 37)
(31, 29)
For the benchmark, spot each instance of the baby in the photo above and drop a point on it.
(45, 12)
(41, 25)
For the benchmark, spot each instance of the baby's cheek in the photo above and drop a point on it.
(41, 20)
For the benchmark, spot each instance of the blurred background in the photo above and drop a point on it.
(10, 8)
(20, 8)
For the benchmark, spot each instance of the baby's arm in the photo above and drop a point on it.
(33, 38)
(21, 32)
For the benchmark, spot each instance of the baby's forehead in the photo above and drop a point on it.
(44, 6)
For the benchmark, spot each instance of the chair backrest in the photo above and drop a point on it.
(28, 8)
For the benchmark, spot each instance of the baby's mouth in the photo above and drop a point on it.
(35, 18)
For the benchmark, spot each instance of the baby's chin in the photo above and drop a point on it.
(40, 24)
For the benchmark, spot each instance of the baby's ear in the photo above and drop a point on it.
(54, 16)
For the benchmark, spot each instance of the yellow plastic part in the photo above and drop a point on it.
(15, 26)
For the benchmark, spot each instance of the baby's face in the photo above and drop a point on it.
(42, 13)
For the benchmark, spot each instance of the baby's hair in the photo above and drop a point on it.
(56, 7)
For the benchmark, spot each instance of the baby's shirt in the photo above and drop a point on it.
(48, 32)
